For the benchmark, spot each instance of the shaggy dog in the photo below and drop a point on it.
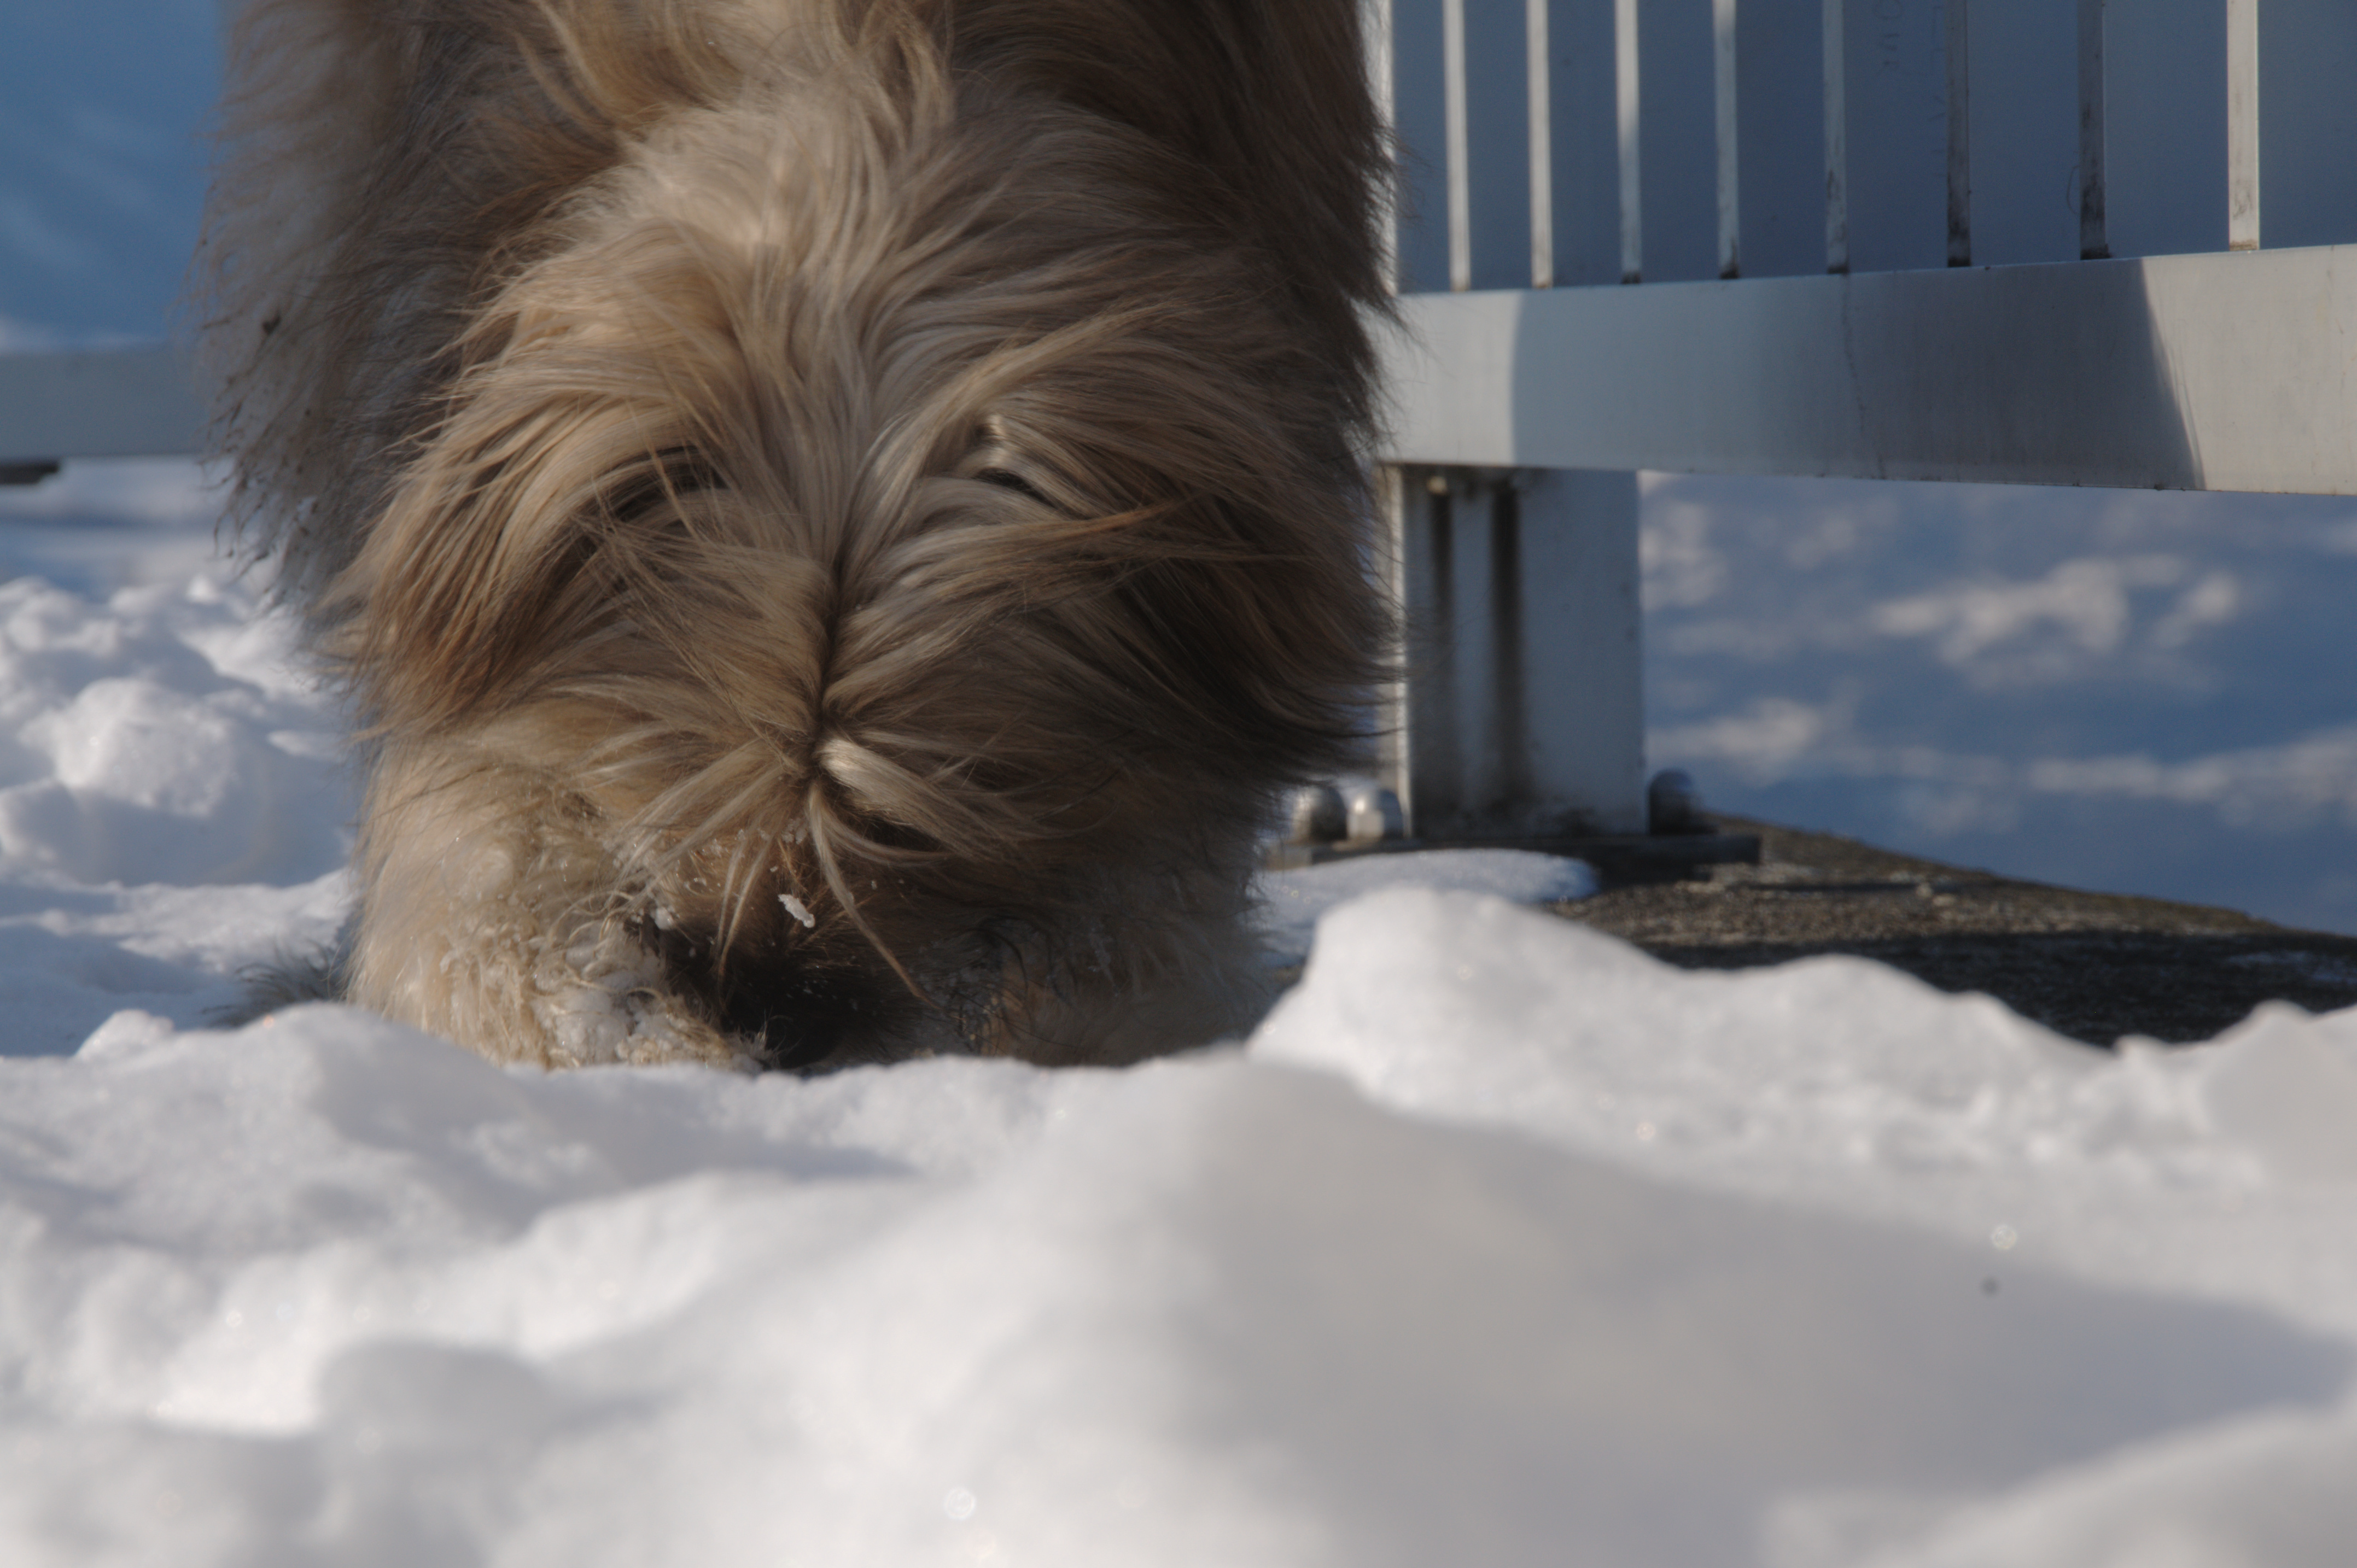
(837, 517)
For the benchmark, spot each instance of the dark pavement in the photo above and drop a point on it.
(2094, 966)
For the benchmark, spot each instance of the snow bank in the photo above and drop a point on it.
(1499, 1242)
(1292, 901)
(172, 806)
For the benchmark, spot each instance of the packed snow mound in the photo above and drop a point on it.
(1498, 1244)
(150, 744)
(1432, 1270)
(173, 804)
(1290, 902)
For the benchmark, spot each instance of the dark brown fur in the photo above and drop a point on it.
(839, 515)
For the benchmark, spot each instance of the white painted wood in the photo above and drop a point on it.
(1730, 162)
(1836, 86)
(1375, 24)
(111, 403)
(1521, 713)
(1396, 733)
(2095, 232)
(1625, 101)
(2242, 125)
(1541, 101)
(1957, 46)
(1582, 656)
(1461, 146)
(2227, 371)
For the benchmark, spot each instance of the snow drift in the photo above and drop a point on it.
(1498, 1244)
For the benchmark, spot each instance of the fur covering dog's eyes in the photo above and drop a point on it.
(1008, 481)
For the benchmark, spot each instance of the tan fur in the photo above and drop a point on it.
(838, 516)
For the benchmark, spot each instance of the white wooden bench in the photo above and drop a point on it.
(1540, 364)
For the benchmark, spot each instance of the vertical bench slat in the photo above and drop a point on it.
(1836, 137)
(1375, 21)
(1958, 44)
(2241, 125)
(1460, 149)
(1624, 96)
(2094, 236)
(1395, 717)
(1542, 108)
(1730, 205)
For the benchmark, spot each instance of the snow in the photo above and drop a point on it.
(1498, 1242)
(1292, 902)
(173, 806)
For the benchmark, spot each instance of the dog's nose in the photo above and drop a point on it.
(802, 1022)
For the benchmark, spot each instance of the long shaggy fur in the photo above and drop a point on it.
(838, 516)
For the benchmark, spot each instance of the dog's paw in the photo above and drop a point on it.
(605, 1002)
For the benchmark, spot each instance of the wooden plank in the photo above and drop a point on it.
(1958, 45)
(1625, 101)
(1507, 580)
(1461, 146)
(1375, 20)
(2228, 372)
(1730, 162)
(1541, 101)
(2242, 125)
(2095, 232)
(1836, 85)
(100, 402)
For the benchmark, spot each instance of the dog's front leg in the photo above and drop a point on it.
(490, 915)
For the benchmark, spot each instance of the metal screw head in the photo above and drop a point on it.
(1673, 805)
(1317, 815)
(1373, 814)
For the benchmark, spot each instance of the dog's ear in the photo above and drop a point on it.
(1274, 103)
(385, 166)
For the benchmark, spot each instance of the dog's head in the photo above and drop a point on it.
(913, 503)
